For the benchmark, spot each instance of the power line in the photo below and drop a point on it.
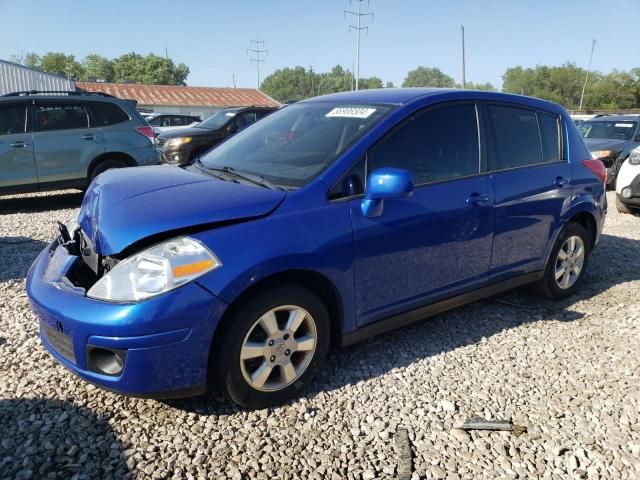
(358, 28)
(586, 79)
(257, 51)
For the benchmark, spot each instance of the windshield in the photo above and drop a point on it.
(620, 130)
(293, 145)
(218, 119)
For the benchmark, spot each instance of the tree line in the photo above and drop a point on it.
(562, 84)
(128, 68)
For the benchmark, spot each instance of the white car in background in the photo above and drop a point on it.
(165, 122)
(628, 184)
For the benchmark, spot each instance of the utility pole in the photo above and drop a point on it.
(586, 79)
(464, 83)
(233, 79)
(257, 51)
(358, 14)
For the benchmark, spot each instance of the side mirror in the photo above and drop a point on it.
(385, 183)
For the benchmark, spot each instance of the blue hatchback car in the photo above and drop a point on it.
(331, 220)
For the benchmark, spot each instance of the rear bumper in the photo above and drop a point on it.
(164, 341)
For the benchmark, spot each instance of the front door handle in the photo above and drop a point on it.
(19, 145)
(561, 182)
(89, 136)
(477, 199)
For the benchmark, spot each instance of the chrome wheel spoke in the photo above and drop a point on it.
(562, 255)
(295, 320)
(288, 371)
(259, 377)
(305, 343)
(252, 350)
(269, 323)
(560, 271)
(571, 245)
(570, 261)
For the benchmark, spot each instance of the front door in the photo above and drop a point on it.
(17, 165)
(437, 242)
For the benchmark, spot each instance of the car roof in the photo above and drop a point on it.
(400, 96)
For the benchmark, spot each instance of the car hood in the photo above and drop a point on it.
(604, 143)
(125, 205)
(190, 132)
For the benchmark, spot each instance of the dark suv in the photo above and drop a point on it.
(179, 147)
(611, 139)
(54, 140)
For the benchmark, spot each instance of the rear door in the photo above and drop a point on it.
(65, 141)
(532, 185)
(17, 164)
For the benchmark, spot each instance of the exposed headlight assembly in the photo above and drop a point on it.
(601, 153)
(634, 157)
(156, 270)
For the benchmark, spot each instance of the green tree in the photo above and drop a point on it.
(616, 90)
(290, 84)
(479, 86)
(390, 85)
(428, 77)
(371, 82)
(32, 60)
(61, 64)
(149, 69)
(98, 67)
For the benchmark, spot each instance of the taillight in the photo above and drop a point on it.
(147, 131)
(597, 167)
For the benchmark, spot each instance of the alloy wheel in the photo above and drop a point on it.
(278, 348)
(569, 262)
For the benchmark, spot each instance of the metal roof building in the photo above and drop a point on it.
(200, 101)
(16, 78)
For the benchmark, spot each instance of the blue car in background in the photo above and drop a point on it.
(331, 220)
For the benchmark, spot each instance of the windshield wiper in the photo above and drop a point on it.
(249, 177)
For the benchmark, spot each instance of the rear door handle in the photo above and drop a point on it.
(561, 181)
(89, 136)
(477, 199)
(19, 145)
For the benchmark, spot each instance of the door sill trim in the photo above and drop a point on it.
(406, 318)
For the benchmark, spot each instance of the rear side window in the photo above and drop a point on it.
(107, 114)
(549, 136)
(60, 117)
(513, 138)
(12, 119)
(438, 144)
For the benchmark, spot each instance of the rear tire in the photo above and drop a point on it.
(567, 263)
(622, 208)
(105, 165)
(272, 346)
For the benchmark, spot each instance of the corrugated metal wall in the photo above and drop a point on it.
(16, 78)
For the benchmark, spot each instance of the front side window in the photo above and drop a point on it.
(178, 121)
(12, 119)
(513, 138)
(60, 117)
(434, 145)
(292, 146)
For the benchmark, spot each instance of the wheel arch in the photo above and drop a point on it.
(127, 159)
(314, 281)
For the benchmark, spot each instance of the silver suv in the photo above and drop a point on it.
(55, 140)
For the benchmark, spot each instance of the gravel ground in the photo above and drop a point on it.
(569, 372)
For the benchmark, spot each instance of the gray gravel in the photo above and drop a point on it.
(569, 372)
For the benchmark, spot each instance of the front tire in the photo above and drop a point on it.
(272, 346)
(105, 165)
(567, 263)
(622, 208)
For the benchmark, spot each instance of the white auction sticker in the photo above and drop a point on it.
(625, 125)
(351, 112)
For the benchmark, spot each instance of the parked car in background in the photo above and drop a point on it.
(55, 140)
(181, 146)
(380, 208)
(628, 184)
(611, 139)
(165, 122)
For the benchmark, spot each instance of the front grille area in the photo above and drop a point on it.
(160, 142)
(61, 342)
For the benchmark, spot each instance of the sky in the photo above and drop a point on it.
(212, 37)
